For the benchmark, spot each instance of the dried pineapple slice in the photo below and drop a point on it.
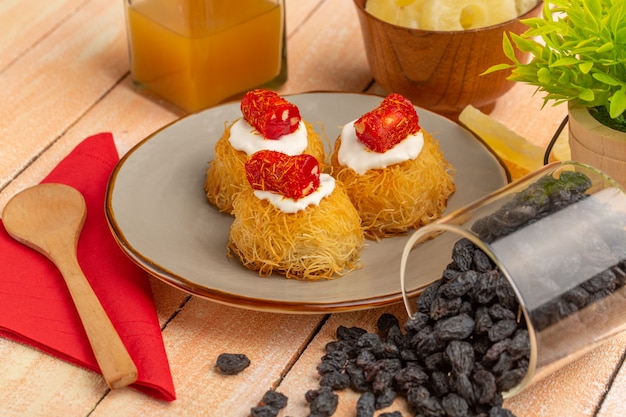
(404, 13)
(452, 15)
(524, 6)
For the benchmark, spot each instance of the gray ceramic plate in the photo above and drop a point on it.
(158, 212)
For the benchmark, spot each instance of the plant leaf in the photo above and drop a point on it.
(565, 62)
(617, 103)
(586, 94)
(605, 78)
(544, 75)
(498, 67)
(507, 47)
(585, 67)
(605, 48)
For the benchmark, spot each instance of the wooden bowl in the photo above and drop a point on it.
(439, 70)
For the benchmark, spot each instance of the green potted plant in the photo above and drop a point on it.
(578, 56)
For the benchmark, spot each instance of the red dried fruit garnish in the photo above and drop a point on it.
(291, 176)
(270, 114)
(387, 125)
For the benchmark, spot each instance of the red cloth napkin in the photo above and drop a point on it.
(36, 307)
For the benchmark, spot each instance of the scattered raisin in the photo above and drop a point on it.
(232, 363)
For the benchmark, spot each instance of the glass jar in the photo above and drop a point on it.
(556, 241)
(197, 53)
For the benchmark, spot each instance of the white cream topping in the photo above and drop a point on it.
(246, 138)
(289, 205)
(354, 154)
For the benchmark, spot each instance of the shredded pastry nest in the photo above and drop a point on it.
(402, 196)
(321, 242)
(226, 175)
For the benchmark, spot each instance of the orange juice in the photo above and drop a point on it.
(196, 53)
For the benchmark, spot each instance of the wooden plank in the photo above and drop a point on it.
(24, 23)
(613, 404)
(36, 384)
(57, 80)
(328, 55)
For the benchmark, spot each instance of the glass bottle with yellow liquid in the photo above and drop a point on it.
(196, 53)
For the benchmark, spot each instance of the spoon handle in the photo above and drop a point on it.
(116, 365)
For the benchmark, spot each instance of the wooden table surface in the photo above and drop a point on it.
(64, 75)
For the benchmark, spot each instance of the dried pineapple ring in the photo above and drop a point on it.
(404, 13)
(524, 6)
(465, 14)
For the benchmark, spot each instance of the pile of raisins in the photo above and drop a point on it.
(462, 348)
(467, 342)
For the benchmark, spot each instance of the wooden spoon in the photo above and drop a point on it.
(49, 219)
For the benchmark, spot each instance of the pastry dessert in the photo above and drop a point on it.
(292, 220)
(269, 122)
(393, 170)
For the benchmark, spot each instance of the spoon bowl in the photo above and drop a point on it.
(49, 219)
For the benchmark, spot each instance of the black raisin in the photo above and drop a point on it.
(336, 380)
(519, 347)
(232, 363)
(454, 328)
(504, 364)
(323, 402)
(385, 322)
(482, 263)
(427, 297)
(382, 381)
(494, 352)
(349, 333)
(510, 379)
(454, 405)
(460, 356)
(385, 398)
(409, 377)
(459, 285)
(274, 399)
(365, 358)
(435, 361)
(439, 383)
(390, 414)
(483, 321)
(485, 289)
(577, 295)
(327, 367)
(369, 341)
(463, 254)
(365, 406)
(425, 341)
(357, 377)
(484, 386)
(263, 411)
(462, 385)
(502, 330)
(423, 404)
(442, 307)
(499, 312)
(417, 322)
